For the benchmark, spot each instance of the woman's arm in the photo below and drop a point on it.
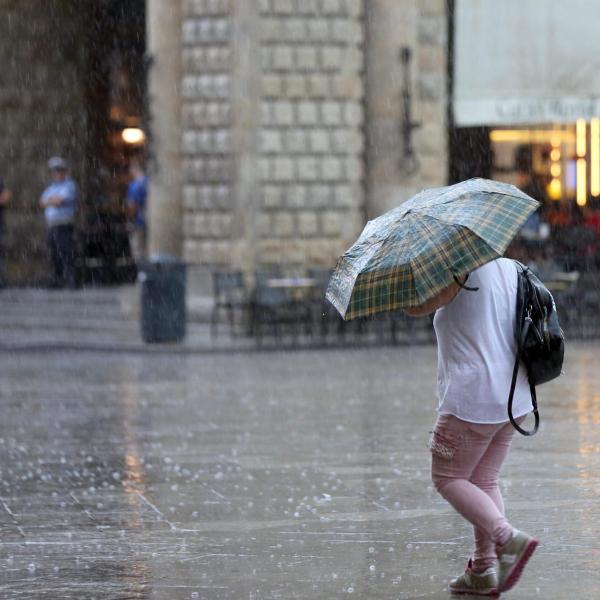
(444, 297)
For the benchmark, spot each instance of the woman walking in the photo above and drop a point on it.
(475, 331)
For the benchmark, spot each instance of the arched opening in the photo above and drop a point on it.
(116, 109)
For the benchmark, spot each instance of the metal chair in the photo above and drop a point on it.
(230, 295)
(273, 307)
(322, 311)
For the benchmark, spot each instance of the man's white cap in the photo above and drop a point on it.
(56, 163)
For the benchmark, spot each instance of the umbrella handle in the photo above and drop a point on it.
(462, 284)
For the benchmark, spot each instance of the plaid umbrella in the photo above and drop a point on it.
(411, 253)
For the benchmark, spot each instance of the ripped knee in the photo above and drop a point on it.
(443, 446)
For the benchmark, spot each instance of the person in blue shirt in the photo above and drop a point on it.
(59, 201)
(137, 192)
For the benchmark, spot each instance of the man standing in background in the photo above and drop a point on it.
(5, 198)
(59, 201)
(136, 210)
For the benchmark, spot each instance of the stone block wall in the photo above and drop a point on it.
(207, 121)
(311, 129)
(291, 123)
(303, 180)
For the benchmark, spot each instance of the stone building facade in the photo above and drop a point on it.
(272, 140)
(275, 125)
(291, 118)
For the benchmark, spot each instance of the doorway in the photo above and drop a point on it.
(116, 94)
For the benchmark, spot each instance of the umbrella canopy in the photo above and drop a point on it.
(411, 253)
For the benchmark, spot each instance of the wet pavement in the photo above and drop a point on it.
(108, 319)
(268, 475)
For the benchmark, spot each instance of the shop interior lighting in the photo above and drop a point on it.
(555, 189)
(581, 181)
(133, 135)
(554, 136)
(595, 157)
(580, 132)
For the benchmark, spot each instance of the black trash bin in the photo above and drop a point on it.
(163, 316)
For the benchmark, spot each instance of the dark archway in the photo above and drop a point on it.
(116, 99)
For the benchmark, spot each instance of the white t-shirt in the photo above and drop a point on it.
(476, 348)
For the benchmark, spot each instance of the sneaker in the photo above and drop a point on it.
(475, 584)
(512, 558)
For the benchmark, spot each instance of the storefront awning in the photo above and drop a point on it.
(526, 61)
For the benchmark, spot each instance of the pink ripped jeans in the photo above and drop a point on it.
(466, 462)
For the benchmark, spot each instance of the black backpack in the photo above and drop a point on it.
(540, 340)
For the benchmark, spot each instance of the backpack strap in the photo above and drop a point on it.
(520, 323)
(533, 402)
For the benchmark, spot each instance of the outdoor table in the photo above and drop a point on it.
(291, 282)
(281, 301)
(296, 287)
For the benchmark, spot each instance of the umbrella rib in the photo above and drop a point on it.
(525, 196)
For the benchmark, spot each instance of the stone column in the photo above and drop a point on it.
(420, 26)
(390, 25)
(245, 109)
(164, 198)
